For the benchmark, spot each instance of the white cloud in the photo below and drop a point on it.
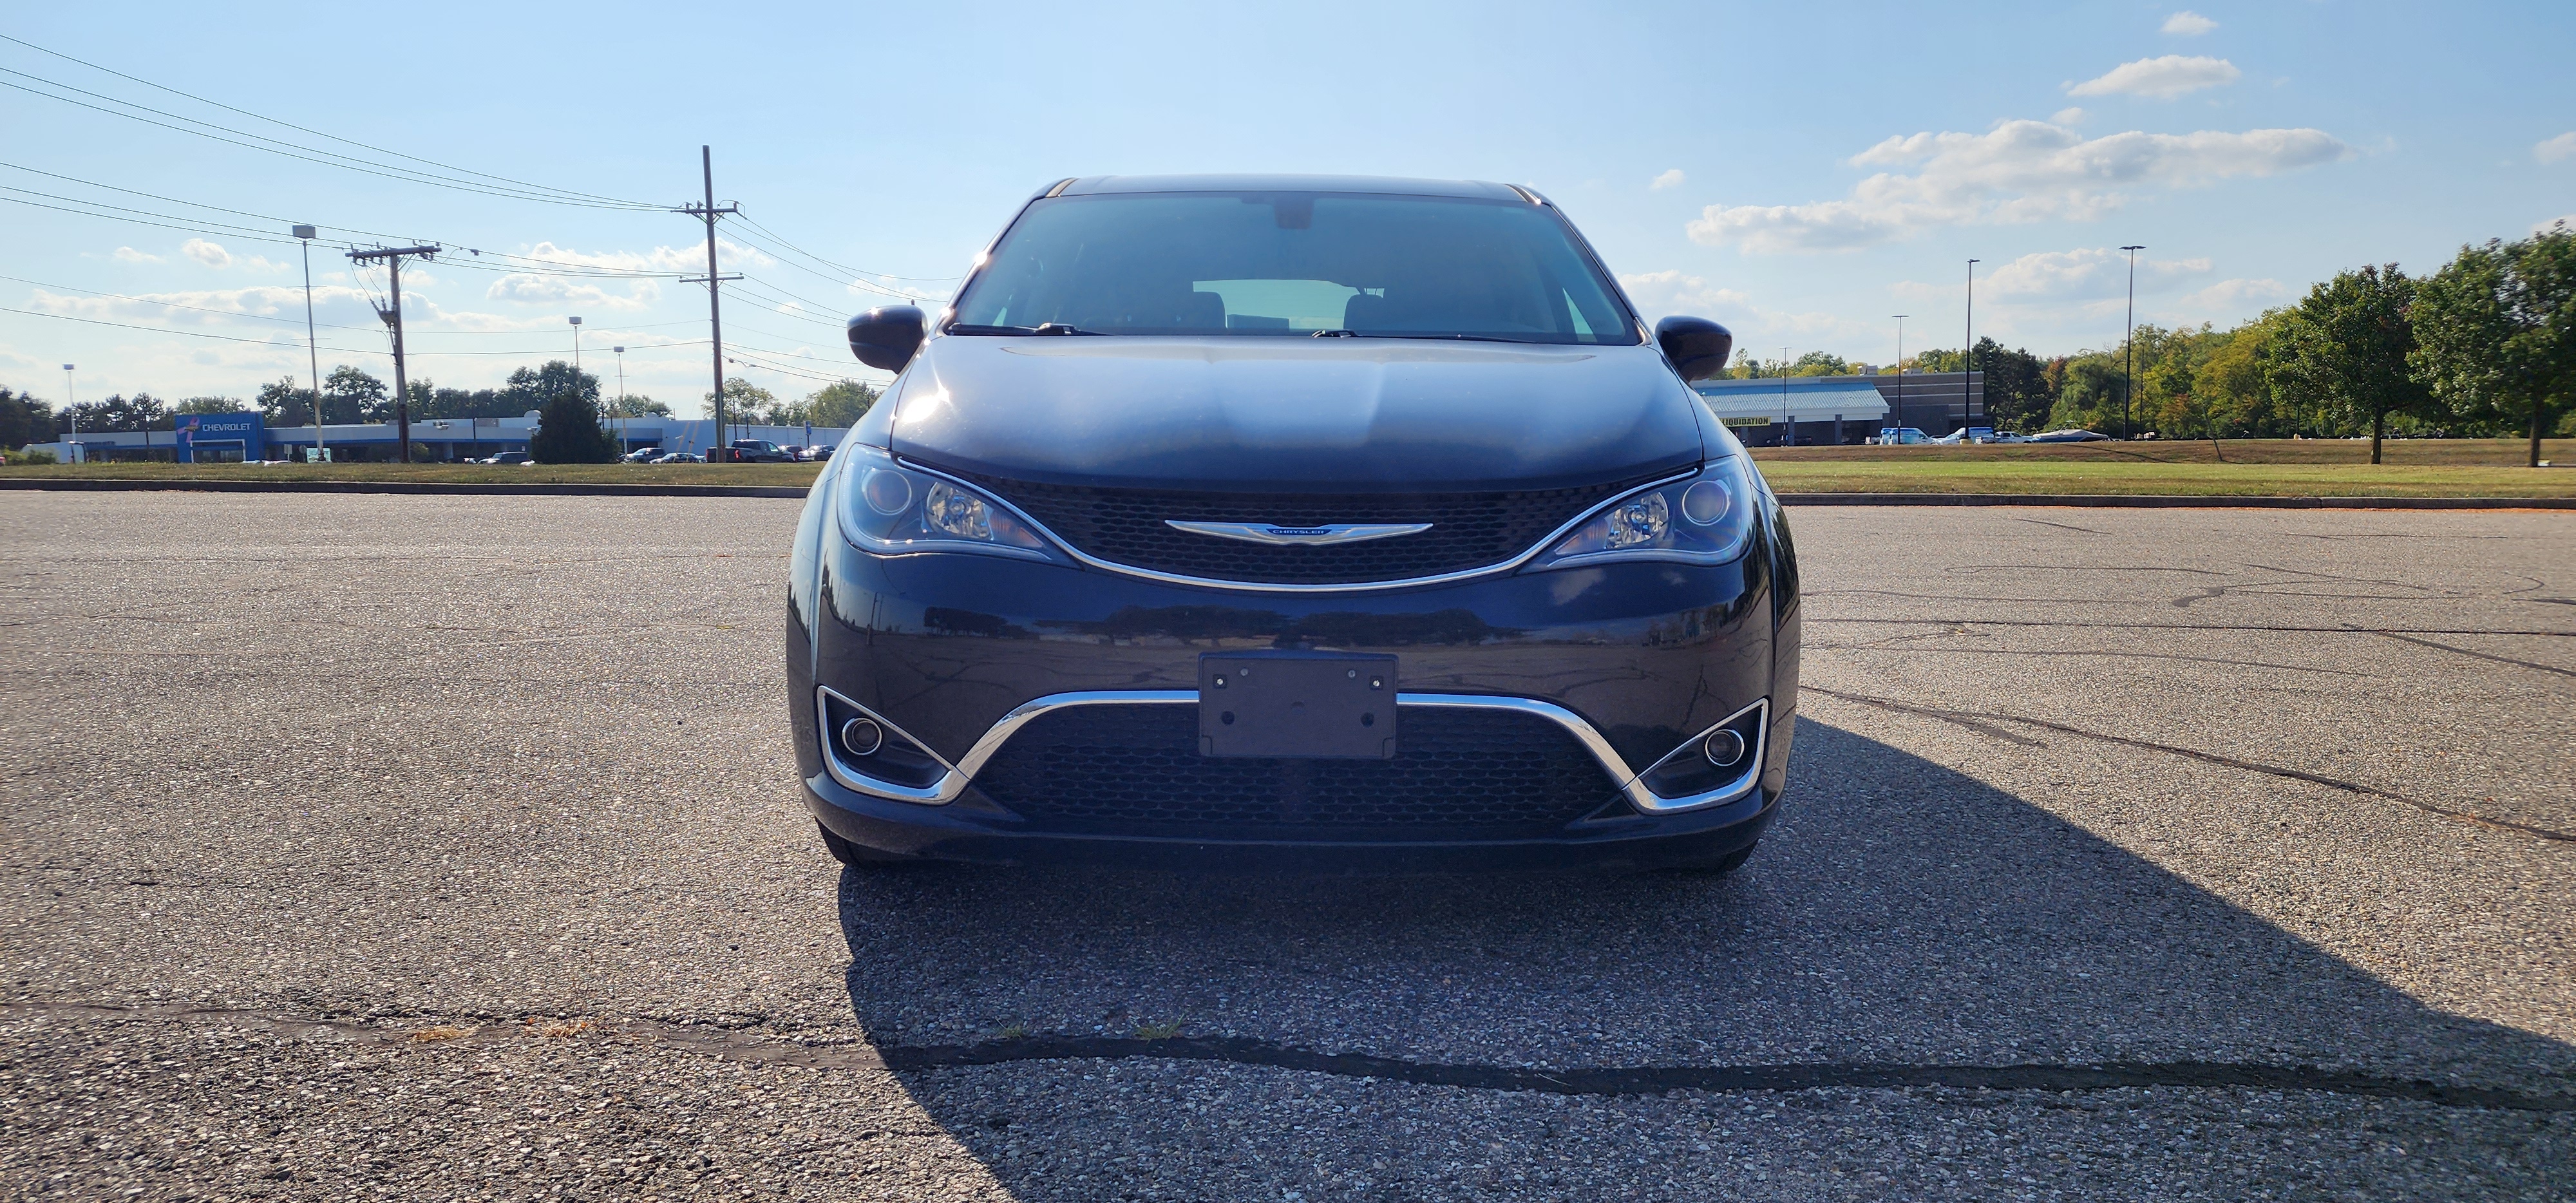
(207, 253)
(331, 303)
(1669, 291)
(2162, 78)
(690, 258)
(2236, 296)
(127, 254)
(1669, 179)
(2554, 149)
(2068, 116)
(531, 289)
(2544, 227)
(1662, 293)
(2020, 171)
(2189, 24)
(2084, 274)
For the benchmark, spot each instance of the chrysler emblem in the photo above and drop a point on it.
(1301, 536)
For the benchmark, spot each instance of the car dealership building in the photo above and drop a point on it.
(1827, 410)
(233, 438)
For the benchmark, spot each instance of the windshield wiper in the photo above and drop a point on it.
(1473, 338)
(1046, 328)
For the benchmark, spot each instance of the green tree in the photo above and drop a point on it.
(1820, 363)
(142, 411)
(282, 404)
(2014, 394)
(2346, 348)
(568, 431)
(2498, 332)
(743, 402)
(2088, 391)
(636, 405)
(352, 395)
(841, 404)
(209, 405)
(24, 420)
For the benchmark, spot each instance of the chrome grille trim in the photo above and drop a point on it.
(1199, 582)
(962, 771)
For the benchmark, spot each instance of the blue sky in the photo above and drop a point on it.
(1800, 172)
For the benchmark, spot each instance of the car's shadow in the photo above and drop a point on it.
(1899, 914)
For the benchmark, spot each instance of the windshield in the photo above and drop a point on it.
(1293, 264)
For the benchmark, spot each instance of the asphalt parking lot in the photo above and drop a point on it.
(450, 848)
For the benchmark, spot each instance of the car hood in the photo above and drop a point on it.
(1246, 414)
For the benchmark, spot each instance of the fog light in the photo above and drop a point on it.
(860, 737)
(1724, 748)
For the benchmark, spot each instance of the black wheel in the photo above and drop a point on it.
(1716, 866)
(857, 856)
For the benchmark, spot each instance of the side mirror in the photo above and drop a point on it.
(886, 337)
(1696, 347)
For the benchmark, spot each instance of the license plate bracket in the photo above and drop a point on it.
(1297, 705)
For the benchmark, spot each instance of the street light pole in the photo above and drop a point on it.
(312, 349)
(576, 343)
(2128, 339)
(71, 407)
(1968, 354)
(1900, 378)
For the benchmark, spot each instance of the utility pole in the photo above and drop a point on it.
(1968, 354)
(72, 407)
(620, 410)
(1900, 378)
(393, 258)
(312, 351)
(2128, 350)
(1792, 440)
(715, 312)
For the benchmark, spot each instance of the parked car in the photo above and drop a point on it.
(678, 457)
(758, 451)
(1900, 436)
(1306, 563)
(2070, 436)
(641, 455)
(511, 457)
(817, 452)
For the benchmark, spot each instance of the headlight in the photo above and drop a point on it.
(1707, 519)
(890, 509)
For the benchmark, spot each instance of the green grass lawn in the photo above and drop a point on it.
(2259, 467)
(2269, 467)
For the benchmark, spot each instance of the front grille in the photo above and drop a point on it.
(1468, 530)
(1135, 770)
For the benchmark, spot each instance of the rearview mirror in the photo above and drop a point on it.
(1696, 347)
(886, 337)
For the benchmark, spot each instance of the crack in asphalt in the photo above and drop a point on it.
(1966, 718)
(2547, 668)
(744, 1045)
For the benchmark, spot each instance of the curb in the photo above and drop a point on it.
(421, 487)
(2145, 501)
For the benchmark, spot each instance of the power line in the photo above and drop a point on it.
(65, 317)
(279, 146)
(856, 271)
(317, 133)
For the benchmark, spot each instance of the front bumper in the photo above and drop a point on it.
(960, 652)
